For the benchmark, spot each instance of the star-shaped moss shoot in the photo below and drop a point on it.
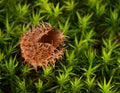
(41, 45)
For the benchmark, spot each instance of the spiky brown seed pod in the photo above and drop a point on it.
(41, 45)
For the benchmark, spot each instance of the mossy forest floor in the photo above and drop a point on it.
(91, 63)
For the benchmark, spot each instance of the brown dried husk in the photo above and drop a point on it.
(41, 45)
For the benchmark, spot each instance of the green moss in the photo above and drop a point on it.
(91, 63)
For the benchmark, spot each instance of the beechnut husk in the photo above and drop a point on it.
(41, 45)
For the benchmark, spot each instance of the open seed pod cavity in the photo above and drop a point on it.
(41, 45)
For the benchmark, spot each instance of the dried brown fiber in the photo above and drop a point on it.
(41, 45)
